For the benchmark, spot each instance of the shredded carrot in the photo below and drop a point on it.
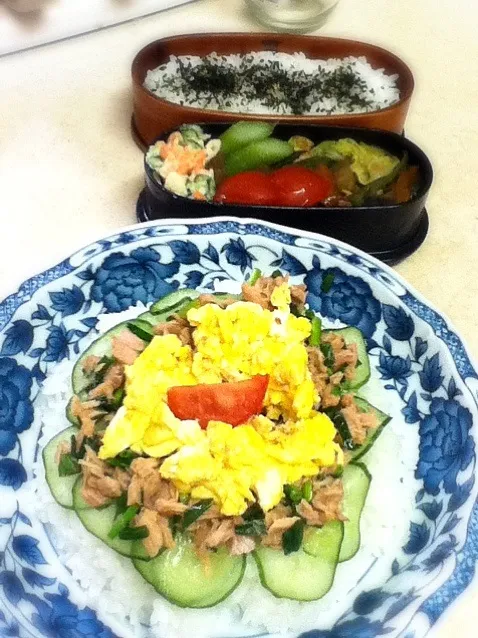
(163, 151)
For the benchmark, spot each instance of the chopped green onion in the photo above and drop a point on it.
(327, 282)
(142, 329)
(121, 504)
(342, 427)
(329, 357)
(338, 471)
(343, 367)
(123, 459)
(92, 442)
(118, 396)
(73, 450)
(293, 493)
(315, 332)
(253, 511)
(256, 527)
(122, 522)
(68, 465)
(174, 524)
(294, 310)
(308, 491)
(184, 498)
(292, 538)
(134, 533)
(276, 273)
(191, 515)
(106, 361)
(98, 373)
(255, 275)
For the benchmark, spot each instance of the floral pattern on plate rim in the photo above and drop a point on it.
(47, 320)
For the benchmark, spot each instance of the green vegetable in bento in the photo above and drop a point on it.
(368, 162)
(258, 154)
(377, 186)
(243, 133)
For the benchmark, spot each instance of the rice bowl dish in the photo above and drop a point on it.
(250, 607)
(417, 524)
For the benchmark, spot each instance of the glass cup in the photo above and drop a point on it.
(299, 16)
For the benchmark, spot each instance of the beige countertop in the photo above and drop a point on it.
(70, 172)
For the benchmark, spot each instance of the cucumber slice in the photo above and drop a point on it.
(61, 486)
(179, 575)
(173, 300)
(69, 415)
(100, 348)
(356, 479)
(324, 541)
(142, 329)
(372, 435)
(300, 576)
(99, 521)
(353, 335)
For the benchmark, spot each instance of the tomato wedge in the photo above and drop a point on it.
(232, 403)
(298, 186)
(252, 188)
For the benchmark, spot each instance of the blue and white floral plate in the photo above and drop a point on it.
(418, 359)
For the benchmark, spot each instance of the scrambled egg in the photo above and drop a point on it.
(230, 464)
(233, 465)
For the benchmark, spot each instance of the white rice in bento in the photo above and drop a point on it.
(110, 584)
(268, 82)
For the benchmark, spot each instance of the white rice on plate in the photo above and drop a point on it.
(275, 83)
(111, 585)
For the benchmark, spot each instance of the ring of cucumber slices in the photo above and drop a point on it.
(178, 574)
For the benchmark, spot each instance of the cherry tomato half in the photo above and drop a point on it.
(232, 403)
(300, 186)
(250, 188)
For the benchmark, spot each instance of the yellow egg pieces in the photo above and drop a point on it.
(244, 340)
(145, 421)
(234, 466)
